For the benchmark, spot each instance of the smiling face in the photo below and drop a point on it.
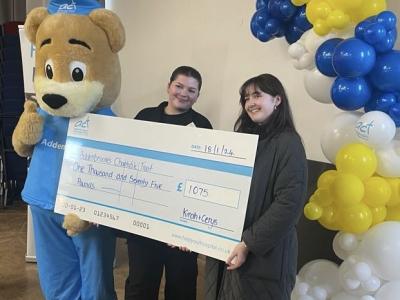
(259, 105)
(75, 68)
(182, 94)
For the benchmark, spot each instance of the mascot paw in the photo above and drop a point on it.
(30, 125)
(74, 225)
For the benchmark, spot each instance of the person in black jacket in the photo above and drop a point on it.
(263, 265)
(147, 257)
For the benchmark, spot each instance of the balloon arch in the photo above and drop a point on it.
(345, 48)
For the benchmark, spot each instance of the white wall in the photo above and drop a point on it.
(214, 37)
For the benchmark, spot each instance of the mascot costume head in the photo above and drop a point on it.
(77, 71)
(76, 66)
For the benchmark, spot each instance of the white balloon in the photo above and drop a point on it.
(306, 297)
(306, 61)
(389, 291)
(319, 293)
(312, 41)
(302, 288)
(322, 273)
(367, 297)
(344, 296)
(389, 160)
(351, 284)
(349, 278)
(297, 64)
(337, 248)
(318, 86)
(381, 247)
(339, 132)
(296, 50)
(372, 284)
(348, 241)
(376, 129)
(362, 271)
(344, 244)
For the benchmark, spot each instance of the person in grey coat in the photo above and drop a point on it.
(264, 264)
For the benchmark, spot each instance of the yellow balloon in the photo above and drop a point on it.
(368, 8)
(299, 2)
(393, 213)
(329, 218)
(378, 214)
(312, 211)
(317, 9)
(395, 196)
(322, 197)
(346, 5)
(338, 19)
(357, 159)
(356, 218)
(377, 191)
(347, 190)
(326, 178)
(321, 27)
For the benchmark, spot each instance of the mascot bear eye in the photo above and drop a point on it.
(48, 69)
(77, 70)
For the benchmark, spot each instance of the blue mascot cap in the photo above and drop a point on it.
(77, 7)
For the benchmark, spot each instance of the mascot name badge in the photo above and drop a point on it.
(181, 185)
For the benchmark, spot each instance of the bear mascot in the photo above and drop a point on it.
(77, 71)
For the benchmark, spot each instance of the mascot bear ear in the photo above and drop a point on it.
(33, 21)
(111, 24)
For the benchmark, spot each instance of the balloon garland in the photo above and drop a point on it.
(345, 49)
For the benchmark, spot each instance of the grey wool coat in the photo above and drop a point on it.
(276, 200)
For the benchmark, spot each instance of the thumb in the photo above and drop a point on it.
(230, 258)
(30, 106)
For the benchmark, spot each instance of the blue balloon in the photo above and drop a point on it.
(385, 76)
(282, 31)
(281, 9)
(293, 33)
(370, 106)
(361, 27)
(353, 58)
(300, 19)
(381, 101)
(323, 57)
(261, 16)
(350, 93)
(273, 26)
(387, 43)
(387, 19)
(385, 101)
(254, 27)
(375, 33)
(273, 8)
(394, 113)
(287, 10)
(261, 4)
(264, 36)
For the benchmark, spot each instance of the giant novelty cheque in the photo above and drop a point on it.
(178, 184)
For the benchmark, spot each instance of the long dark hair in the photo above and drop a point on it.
(280, 120)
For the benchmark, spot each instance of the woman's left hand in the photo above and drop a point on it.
(237, 257)
(182, 248)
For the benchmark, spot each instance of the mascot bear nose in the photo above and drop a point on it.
(54, 101)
